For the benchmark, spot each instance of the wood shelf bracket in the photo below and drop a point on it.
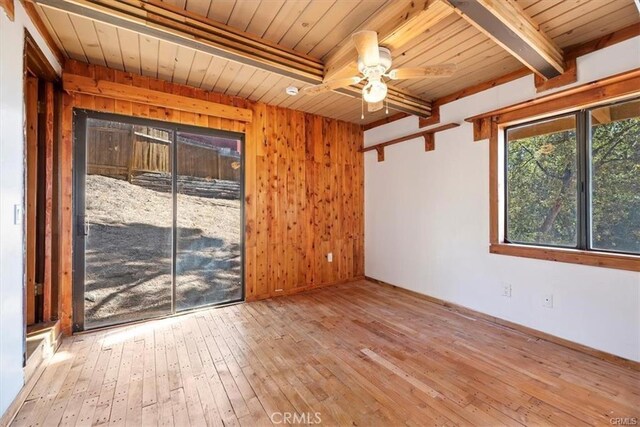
(428, 135)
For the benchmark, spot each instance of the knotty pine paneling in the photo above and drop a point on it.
(303, 187)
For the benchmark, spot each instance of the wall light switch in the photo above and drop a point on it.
(17, 214)
(330, 257)
(547, 301)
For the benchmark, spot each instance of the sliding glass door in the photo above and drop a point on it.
(208, 227)
(158, 219)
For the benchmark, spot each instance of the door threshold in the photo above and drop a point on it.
(154, 319)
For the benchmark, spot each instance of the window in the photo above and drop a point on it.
(573, 181)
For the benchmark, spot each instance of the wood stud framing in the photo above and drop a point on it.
(49, 137)
(31, 112)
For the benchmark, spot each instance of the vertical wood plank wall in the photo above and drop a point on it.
(303, 187)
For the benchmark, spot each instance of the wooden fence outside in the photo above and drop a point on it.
(119, 151)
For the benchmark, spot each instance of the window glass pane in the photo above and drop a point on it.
(129, 221)
(542, 183)
(208, 220)
(615, 177)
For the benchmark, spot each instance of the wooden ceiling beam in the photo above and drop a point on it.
(167, 23)
(384, 121)
(9, 8)
(164, 22)
(507, 24)
(396, 25)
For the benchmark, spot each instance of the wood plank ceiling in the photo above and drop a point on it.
(317, 28)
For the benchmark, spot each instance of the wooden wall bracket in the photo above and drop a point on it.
(428, 135)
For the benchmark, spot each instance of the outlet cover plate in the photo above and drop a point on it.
(506, 290)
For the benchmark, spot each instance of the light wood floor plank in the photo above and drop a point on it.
(354, 354)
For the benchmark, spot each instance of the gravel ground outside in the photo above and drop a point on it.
(129, 252)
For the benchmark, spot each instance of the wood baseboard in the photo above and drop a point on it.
(302, 289)
(618, 360)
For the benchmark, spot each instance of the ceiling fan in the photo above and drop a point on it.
(374, 64)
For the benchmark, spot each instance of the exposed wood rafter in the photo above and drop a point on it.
(396, 25)
(385, 120)
(572, 53)
(164, 22)
(507, 24)
(9, 8)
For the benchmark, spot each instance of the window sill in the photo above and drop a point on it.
(597, 259)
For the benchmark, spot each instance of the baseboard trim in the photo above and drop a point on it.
(603, 355)
(32, 375)
(301, 289)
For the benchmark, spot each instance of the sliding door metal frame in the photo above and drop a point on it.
(79, 203)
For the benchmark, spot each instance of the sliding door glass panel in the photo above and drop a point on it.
(615, 177)
(542, 189)
(208, 220)
(128, 223)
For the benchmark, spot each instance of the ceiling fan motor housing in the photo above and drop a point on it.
(381, 68)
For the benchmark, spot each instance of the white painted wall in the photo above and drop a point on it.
(427, 228)
(11, 194)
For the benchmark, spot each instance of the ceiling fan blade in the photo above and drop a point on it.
(330, 85)
(367, 46)
(375, 106)
(442, 70)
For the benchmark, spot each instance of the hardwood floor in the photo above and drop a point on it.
(357, 354)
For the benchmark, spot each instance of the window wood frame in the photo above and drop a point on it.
(491, 126)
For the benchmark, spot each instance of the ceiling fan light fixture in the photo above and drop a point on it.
(374, 91)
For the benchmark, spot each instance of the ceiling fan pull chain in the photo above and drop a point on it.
(362, 108)
(386, 103)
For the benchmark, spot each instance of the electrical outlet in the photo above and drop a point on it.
(330, 257)
(547, 301)
(506, 290)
